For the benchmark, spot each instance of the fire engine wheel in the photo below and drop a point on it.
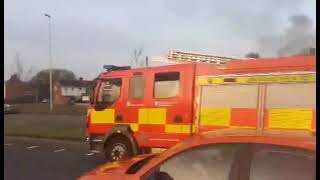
(118, 148)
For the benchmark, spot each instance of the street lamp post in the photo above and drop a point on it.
(50, 62)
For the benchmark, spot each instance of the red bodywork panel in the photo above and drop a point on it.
(290, 139)
(260, 66)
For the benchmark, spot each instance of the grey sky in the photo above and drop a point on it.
(90, 33)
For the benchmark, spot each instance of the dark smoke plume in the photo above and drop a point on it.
(297, 39)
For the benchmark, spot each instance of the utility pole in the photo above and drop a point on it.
(50, 62)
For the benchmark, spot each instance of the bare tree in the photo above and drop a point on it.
(20, 70)
(29, 73)
(147, 61)
(138, 54)
(18, 66)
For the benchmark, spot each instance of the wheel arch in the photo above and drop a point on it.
(124, 131)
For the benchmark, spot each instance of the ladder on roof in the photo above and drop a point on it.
(179, 56)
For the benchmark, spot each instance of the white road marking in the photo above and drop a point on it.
(89, 154)
(96, 152)
(9, 144)
(32, 147)
(59, 150)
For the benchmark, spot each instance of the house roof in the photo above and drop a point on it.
(75, 83)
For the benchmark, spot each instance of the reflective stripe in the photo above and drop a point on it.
(171, 128)
(228, 118)
(290, 118)
(215, 116)
(152, 115)
(143, 116)
(257, 79)
(301, 118)
(102, 117)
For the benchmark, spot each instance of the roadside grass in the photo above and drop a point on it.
(63, 127)
(40, 108)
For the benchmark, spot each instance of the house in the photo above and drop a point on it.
(67, 90)
(19, 91)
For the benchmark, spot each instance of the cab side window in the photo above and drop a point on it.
(201, 163)
(109, 91)
(136, 87)
(275, 163)
(166, 85)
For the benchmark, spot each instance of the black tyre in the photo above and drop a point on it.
(118, 148)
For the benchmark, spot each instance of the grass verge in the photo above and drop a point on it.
(38, 108)
(62, 127)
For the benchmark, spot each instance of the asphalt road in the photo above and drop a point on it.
(35, 159)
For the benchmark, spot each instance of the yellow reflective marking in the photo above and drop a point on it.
(290, 118)
(172, 128)
(104, 116)
(152, 116)
(134, 127)
(143, 116)
(208, 80)
(258, 79)
(157, 116)
(215, 116)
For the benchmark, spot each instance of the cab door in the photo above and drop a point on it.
(135, 99)
(170, 109)
(108, 108)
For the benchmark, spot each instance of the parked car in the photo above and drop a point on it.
(45, 101)
(226, 154)
(7, 108)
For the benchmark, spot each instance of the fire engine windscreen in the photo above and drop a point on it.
(166, 85)
(109, 91)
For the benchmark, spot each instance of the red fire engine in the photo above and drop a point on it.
(133, 110)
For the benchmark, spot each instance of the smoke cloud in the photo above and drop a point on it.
(295, 39)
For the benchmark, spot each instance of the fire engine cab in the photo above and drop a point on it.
(133, 110)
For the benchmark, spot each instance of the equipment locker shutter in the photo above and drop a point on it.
(290, 105)
(229, 105)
